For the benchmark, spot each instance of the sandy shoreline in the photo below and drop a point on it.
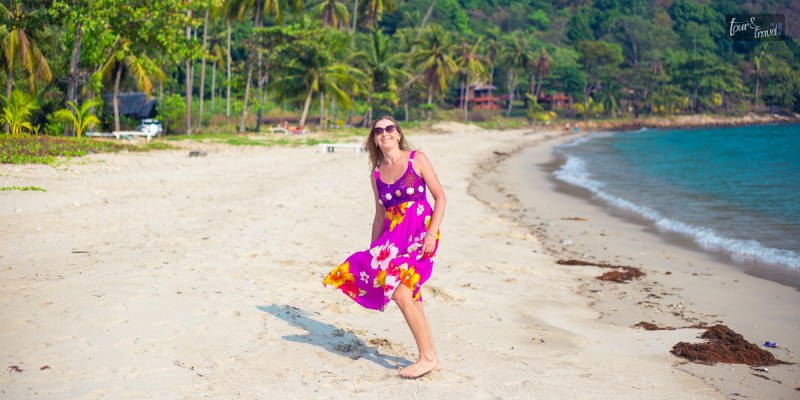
(684, 286)
(159, 275)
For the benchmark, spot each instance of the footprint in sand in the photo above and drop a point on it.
(442, 294)
(389, 347)
(354, 348)
(335, 308)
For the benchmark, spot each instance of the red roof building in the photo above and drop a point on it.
(555, 101)
(480, 96)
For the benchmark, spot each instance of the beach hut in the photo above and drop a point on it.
(479, 96)
(555, 101)
(133, 104)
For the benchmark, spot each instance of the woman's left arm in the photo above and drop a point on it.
(432, 181)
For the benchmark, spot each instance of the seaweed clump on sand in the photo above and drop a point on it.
(626, 273)
(724, 346)
(652, 327)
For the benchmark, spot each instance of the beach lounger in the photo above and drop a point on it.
(287, 130)
(128, 134)
(331, 147)
(279, 129)
(99, 134)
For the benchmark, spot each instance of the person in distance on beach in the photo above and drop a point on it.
(405, 237)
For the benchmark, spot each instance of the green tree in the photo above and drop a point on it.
(261, 10)
(17, 111)
(516, 56)
(19, 46)
(218, 54)
(542, 69)
(640, 38)
(699, 28)
(81, 117)
(471, 65)
(781, 84)
(589, 108)
(539, 19)
(172, 113)
(435, 59)
(579, 26)
(72, 13)
(85, 30)
(312, 68)
(708, 79)
(373, 11)
(755, 71)
(566, 74)
(124, 63)
(332, 13)
(600, 60)
(491, 45)
(383, 64)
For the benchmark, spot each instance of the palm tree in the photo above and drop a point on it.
(313, 68)
(355, 17)
(80, 117)
(514, 56)
(17, 111)
(383, 65)
(218, 55)
(261, 9)
(228, 14)
(435, 59)
(471, 64)
(373, 10)
(17, 45)
(203, 70)
(405, 41)
(332, 13)
(124, 63)
(757, 71)
(543, 69)
(492, 45)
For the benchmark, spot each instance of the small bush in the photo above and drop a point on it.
(26, 149)
(22, 188)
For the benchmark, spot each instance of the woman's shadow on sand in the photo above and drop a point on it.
(335, 340)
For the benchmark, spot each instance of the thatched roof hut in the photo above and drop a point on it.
(133, 104)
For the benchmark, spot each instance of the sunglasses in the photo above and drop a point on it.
(388, 129)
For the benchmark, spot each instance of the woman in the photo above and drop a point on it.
(405, 236)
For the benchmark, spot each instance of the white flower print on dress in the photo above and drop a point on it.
(410, 191)
(364, 277)
(420, 209)
(388, 196)
(420, 189)
(383, 255)
(391, 283)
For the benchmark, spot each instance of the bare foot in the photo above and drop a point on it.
(420, 368)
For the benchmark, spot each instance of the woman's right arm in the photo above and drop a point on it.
(380, 213)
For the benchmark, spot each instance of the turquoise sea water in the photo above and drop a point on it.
(731, 190)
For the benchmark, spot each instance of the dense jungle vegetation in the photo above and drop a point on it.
(237, 65)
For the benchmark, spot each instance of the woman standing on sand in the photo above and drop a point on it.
(405, 236)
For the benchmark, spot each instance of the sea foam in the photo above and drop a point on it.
(574, 172)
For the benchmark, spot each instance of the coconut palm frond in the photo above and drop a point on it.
(107, 70)
(138, 72)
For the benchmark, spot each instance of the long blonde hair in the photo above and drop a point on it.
(375, 153)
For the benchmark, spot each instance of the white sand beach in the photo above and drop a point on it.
(157, 275)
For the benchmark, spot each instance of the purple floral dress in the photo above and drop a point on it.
(370, 277)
